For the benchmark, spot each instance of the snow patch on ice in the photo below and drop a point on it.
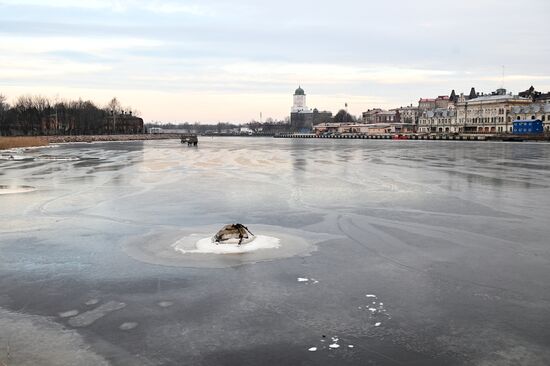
(128, 326)
(301, 279)
(334, 345)
(377, 324)
(165, 304)
(312, 349)
(92, 302)
(68, 314)
(207, 246)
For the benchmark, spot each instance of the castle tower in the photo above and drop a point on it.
(299, 101)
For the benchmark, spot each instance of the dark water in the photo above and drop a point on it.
(452, 240)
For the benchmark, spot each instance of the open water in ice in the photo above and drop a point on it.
(380, 253)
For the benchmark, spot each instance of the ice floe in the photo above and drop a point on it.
(193, 247)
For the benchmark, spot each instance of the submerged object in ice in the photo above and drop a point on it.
(229, 234)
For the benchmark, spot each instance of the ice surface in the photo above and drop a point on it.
(445, 234)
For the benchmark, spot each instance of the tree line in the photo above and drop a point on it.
(38, 115)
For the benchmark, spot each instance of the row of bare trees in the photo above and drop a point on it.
(38, 115)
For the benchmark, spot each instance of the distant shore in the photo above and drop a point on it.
(12, 142)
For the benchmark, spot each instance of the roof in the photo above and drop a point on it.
(299, 91)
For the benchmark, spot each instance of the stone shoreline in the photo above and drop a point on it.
(37, 141)
(99, 138)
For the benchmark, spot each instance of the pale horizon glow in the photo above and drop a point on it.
(218, 61)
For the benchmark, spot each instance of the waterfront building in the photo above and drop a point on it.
(301, 117)
(491, 113)
(369, 115)
(439, 120)
(534, 111)
(391, 116)
(409, 114)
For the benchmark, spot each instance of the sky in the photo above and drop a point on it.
(222, 60)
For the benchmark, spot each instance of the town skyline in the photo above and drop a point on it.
(187, 61)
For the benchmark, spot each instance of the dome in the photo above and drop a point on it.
(299, 91)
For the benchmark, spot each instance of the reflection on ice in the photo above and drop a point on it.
(207, 246)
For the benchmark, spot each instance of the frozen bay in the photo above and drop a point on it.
(422, 253)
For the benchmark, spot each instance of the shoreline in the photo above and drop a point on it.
(17, 142)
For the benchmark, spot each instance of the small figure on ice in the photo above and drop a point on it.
(230, 233)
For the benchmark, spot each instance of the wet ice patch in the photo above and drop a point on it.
(207, 246)
(128, 326)
(89, 317)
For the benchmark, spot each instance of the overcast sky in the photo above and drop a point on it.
(219, 60)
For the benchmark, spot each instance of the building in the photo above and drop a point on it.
(369, 115)
(321, 117)
(534, 111)
(409, 114)
(302, 119)
(439, 120)
(426, 104)
(391, 116)
(490, 113)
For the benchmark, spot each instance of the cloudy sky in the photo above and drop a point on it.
(227, 60)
